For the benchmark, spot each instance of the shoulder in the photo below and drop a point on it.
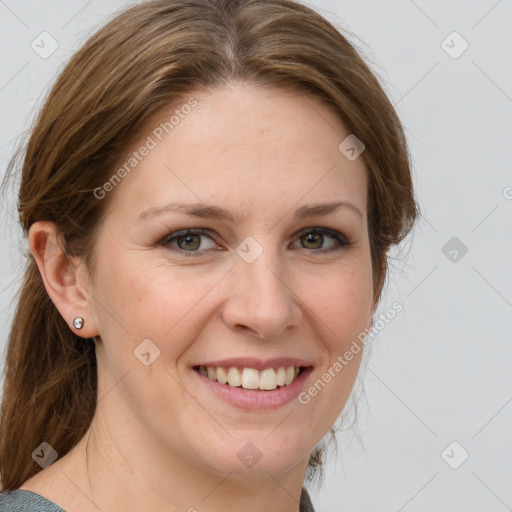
(21, 500)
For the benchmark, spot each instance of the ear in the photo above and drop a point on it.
(65, 278)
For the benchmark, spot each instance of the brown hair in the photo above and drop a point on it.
(147, 58)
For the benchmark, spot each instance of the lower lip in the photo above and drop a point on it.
(250, 399)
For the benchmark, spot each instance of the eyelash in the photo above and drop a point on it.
(343, 243)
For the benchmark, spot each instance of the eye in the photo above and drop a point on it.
(313, 238)
(188, 241)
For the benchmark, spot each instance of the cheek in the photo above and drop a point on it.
(341, 311)
(342, 299)
(158, 301)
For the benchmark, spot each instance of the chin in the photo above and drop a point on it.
(257, 456)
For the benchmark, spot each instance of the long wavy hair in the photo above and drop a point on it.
(146, 59)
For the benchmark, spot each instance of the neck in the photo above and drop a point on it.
(120, 469)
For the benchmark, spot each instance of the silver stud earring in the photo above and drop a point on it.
(78, 322)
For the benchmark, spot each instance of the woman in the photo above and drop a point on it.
(209, 195)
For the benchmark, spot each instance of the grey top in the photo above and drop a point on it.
(21, 500)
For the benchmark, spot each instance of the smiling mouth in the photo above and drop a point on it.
(251, 378)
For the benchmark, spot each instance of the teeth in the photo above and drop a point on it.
(222, 376)
(268, 379)
(234, 377)
(281, 376)
(250, 378)
(290, 374)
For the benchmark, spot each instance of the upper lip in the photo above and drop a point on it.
(256, 363)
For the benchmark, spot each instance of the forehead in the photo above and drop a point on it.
(248, 147)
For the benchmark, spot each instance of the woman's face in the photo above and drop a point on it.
(268, 284)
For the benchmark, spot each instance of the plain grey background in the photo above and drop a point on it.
(433, 431)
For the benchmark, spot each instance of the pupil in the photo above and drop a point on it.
(188, 238)
(310, 238)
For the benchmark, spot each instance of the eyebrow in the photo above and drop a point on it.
(204, 211)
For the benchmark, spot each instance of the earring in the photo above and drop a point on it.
(78, 322)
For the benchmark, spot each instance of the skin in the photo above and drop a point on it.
(160, 440)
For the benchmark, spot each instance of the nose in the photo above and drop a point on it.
(261, 297)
